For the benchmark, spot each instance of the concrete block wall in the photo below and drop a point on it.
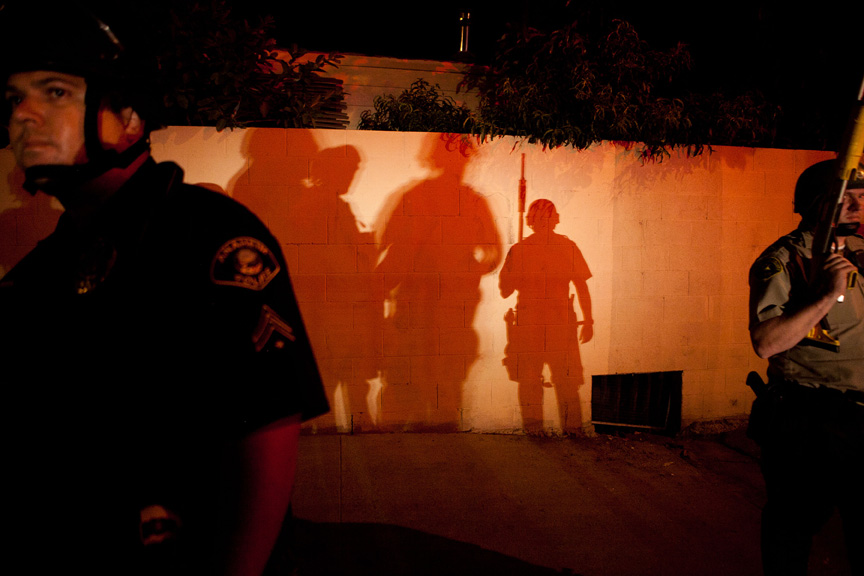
(396, 243)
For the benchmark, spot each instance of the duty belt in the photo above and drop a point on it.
(784, 386)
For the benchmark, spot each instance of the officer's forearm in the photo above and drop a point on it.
(258, 496)
(781, 333)
(584, 297)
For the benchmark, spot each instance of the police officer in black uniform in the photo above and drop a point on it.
(163, 369)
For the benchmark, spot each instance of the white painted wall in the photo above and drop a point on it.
(669, 246)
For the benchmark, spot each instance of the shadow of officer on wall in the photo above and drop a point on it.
(305, 198)
(353, 315)
(438, 240)
(543, 329)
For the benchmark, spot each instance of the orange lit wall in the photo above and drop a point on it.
(396, 243)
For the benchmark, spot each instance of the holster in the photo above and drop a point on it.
(757, 426)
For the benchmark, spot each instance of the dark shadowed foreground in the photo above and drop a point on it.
(611, 505)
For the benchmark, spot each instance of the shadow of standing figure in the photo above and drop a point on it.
(304, 196)
(438, 239)
(354, 309)
(544, 330)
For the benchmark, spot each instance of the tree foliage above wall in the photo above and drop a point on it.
(220, 70)
(420, 108)
(561, 89)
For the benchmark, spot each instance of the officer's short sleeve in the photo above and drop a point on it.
(769, 288)
(258, 348)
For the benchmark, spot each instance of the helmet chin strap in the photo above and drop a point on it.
(56, 179)
(846, 229)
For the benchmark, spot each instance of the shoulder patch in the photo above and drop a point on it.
(245, 262)
(767, 268)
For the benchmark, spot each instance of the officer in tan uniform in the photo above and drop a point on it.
(810, 418)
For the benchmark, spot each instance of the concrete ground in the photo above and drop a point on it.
(610, 505)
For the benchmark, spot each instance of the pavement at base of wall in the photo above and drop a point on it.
(610, 504)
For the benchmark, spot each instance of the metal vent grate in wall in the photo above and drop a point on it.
(649, 400)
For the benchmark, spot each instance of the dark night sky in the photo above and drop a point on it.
(746, 33)
(801, 59)
(804, 60)
(812, 56)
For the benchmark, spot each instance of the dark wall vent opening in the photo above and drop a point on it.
(650, 401)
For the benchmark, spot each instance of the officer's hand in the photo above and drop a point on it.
(835, 274)
(586, 333)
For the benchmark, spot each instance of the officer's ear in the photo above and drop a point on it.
(133, 124)
(119, 129)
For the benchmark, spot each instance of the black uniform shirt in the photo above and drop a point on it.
(146, 332)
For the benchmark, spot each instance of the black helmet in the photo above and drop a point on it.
(62, 38)
(75, 38)
(816, 181)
